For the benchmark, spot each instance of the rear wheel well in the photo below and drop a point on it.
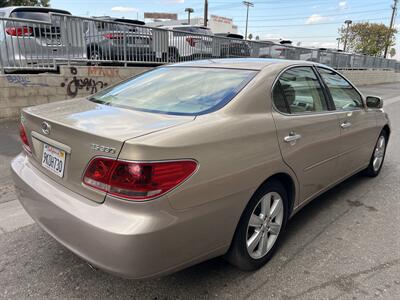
(386, 129)
(288, 183)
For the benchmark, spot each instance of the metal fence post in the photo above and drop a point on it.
(65, 31)
(125, 41)
(5, 45)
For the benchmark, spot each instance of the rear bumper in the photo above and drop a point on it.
(133, 240)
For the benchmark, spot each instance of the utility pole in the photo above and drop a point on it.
(205, 12)
(338, 43)
(347, 22)
(394, 10)
(189, 10)
(248, 4)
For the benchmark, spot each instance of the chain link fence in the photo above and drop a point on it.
(35, 45)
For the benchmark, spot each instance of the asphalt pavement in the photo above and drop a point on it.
(343, 245)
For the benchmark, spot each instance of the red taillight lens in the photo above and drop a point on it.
(19, 31)
(191, 41)
(134, 180)
(114, 36)
(24, 138)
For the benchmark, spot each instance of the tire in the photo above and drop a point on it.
(172, 56)
(94, 54)
(249, 256)
(378, 156)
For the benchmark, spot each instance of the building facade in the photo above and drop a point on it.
(217, 24)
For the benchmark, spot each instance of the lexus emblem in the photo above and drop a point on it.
(46, 128)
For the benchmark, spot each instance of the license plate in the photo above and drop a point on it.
(53, 159)
(53, 42)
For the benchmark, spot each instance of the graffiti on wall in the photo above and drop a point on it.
(75, 84)
(100, 71)
(22, 80)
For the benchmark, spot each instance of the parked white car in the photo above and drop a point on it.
(188, 42)
(275, 49)
(29, 37)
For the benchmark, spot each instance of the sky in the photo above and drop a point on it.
(310, 22)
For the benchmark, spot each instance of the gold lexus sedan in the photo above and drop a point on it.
(194, 160)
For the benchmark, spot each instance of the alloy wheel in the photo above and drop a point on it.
(264, 225)
(379, 153)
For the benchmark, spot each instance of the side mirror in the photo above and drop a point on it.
(374, 102)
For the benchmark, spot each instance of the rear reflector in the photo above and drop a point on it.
(114, 36)
(24, 138)
(137, 180)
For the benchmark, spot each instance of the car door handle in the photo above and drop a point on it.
(345, 125)
(292, 137)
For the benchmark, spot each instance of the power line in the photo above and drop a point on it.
(234, 7)
(311, 24)
(307, 16)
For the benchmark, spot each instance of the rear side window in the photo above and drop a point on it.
(178, 90)
(299, 91)
(343, 94)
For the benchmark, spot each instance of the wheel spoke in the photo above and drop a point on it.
(254, 240)
(255, 221)
(276, 208)
(264, 244)
(274, 228)
(266, 205)
(381, 143)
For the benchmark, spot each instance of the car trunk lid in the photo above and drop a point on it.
(79, 130)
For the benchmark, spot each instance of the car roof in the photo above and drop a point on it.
(10, 9)
(184, 26)
(120, 20)
(242, 63)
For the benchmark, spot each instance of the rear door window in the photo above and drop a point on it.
(344, 95)
(298, 90)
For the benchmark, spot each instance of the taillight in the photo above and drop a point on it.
(137, 180)
(24, 138)
(191, 41)
(19, 31)
(114, 36)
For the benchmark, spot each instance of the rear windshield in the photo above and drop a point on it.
(177, 90)
(199, 30)
(31, 15)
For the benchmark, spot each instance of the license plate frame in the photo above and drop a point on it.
(53, 159)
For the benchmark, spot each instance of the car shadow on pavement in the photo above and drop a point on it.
(299, 222)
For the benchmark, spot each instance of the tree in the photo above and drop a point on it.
(45, 3)
(368, 38)
(257, 38)
(392, 52)
(250, 36)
